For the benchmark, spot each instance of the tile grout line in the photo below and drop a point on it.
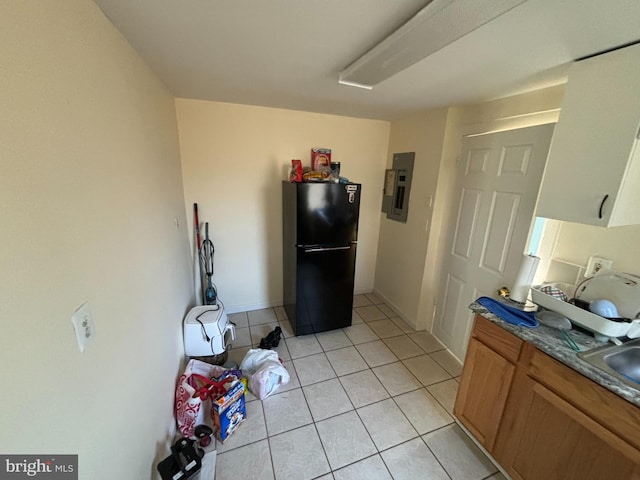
(316, 429)
(436, 398)
(492, 474)
(355, 410)
(418, 435)
(383, 400)
(361, 421)
(314, 383)
(266, 429)
(362, 459)
(436, 457)
(374, 443)
(441, 365)
(341, 384)
(396, 403)
(439, 428)
(434, 383)
(408, 391)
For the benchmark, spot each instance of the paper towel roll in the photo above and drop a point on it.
(524, 278)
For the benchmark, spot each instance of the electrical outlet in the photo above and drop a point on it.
(596, 264)
(83, 324)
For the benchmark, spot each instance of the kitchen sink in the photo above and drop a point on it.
(621, 361)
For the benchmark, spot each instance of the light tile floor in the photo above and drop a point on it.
(372, 401)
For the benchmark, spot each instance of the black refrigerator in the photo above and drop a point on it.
(320, 233)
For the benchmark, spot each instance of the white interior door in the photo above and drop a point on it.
(497, 185)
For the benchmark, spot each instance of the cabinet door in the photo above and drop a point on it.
(557, 441)
(484, 386)
(591, 153)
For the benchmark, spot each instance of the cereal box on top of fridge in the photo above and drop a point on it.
(320, 157)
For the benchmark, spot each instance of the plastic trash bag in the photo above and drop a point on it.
(264, 371)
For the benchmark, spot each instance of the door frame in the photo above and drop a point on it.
(450, 212)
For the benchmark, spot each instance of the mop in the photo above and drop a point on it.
(206, 258)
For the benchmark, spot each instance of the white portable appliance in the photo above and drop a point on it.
(207, 331)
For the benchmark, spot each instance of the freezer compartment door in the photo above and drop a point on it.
(324, 290)
(327, 213)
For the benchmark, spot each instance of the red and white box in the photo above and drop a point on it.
(320, 157)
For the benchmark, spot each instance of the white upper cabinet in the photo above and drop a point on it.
(593, 170)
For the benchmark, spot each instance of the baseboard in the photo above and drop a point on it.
(275, 303)
(396, 309)
(362, 291)
(271, 304)
(250, 306)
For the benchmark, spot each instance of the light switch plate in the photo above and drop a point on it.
(83, 324)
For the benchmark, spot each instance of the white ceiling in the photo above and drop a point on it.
(288, 53)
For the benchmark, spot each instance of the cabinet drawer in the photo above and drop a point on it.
(498, 339)
(611, 411)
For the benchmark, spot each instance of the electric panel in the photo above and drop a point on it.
(397, 186)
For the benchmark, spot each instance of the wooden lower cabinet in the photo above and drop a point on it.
(483, 391)
(537, 431)
(557, 441)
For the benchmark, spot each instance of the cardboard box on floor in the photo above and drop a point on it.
(229, 411)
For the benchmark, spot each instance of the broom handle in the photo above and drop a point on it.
(198, 259)
(195, 211)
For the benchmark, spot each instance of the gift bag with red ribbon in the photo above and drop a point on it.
(194, 394)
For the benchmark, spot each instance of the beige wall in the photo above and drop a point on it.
(576, 243)
(91, 192)
(398, 281)
(90, 186)
(234, 158)
(439, 134)
(402, 246)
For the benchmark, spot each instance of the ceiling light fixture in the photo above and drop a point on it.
(434, 27)
(354, 84)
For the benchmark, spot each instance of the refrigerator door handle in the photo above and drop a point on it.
(326, 249)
